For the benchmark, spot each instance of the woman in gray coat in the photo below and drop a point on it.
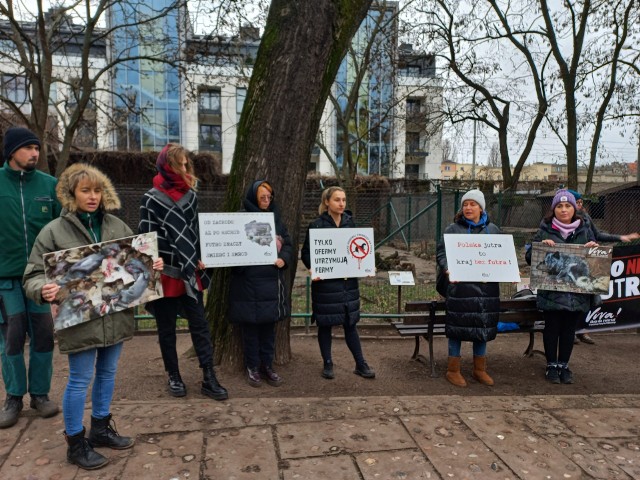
(93, 347)
(472, 307)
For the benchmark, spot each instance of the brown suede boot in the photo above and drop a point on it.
(453, 372)
(480, 370)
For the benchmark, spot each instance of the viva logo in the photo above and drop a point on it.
(599, 317)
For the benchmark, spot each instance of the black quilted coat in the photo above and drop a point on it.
(258, 294)
(472, 307)
(333, 299)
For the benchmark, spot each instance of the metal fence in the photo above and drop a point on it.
(415, 221)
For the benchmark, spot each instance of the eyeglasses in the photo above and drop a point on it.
(266, 197)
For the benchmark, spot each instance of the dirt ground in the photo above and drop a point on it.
(611, 366)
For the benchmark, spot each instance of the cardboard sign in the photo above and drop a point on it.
(570, 268)
(237, 239)
(341, 252)
(481, 258)
(102, 278)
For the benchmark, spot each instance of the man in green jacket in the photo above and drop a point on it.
(27, 203)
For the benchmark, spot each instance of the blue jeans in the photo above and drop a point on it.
(479, 348)
(81, 372)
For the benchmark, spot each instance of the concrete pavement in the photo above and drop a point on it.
(422, 437)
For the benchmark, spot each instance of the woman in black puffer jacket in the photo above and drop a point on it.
(258, 295)
(472, 307)
(335, 301)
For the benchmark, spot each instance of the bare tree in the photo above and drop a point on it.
(494, 156)
(61, 55)
(493, 47)
(302, 47)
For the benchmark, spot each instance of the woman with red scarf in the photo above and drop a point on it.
(170, 208)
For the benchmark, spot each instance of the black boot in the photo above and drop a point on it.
(210, 386)
(103, 433)
(176, 386)
(81, 453)
(11, 411)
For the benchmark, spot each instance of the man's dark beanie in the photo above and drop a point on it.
(18, 137)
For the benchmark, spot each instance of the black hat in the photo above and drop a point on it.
(18, 137)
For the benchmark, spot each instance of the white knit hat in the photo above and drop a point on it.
(475, 195)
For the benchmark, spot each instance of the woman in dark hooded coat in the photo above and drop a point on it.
(258, 295)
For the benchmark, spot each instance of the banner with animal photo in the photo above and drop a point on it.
(570, 268)
(619, 307)
(102, 278)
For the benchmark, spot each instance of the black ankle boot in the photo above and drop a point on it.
(210, 386)
(104, 434)
(176, 386)
(81, 453)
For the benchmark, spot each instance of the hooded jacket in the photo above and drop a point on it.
(564, 301)
(258, 294)
(65, 232)
(332, 299)
(472, 307)
(28, 202)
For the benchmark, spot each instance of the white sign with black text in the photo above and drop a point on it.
(341, 253)
(481, 258)
(237, 239)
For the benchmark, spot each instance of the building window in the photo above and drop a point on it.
(241, 94)
(447, 168)
(13, 88)
(210, 138)
(209, 101)
(413, 106)
(413, 142)
(412, 171)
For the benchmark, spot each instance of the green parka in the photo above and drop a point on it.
(65, 232)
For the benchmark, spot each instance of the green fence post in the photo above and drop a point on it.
(438, 213)
(307, 319)
(409, 226)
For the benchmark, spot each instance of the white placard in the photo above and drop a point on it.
(401, 278)
(237, 239)
(481, 258)
(341, 252)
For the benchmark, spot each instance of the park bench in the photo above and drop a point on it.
(521, 311)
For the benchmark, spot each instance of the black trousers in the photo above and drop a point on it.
(558, 334)
(351, 337)
(166, 313)
(258, 342)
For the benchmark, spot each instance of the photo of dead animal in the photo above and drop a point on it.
(570, 268)
(102, 278)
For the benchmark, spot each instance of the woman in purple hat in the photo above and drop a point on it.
(561, 310)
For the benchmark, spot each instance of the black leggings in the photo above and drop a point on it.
(558, 334)
(351, 337)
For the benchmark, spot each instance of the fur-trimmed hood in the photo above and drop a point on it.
(110, 200)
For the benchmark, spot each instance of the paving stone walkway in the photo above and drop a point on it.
(425, 437)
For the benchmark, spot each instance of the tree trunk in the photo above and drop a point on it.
(301, 50)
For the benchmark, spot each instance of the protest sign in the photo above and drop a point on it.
(481, 258)
(619, 307)
(341, 252)
(102, 278)
(237, 239)
(570, 268)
